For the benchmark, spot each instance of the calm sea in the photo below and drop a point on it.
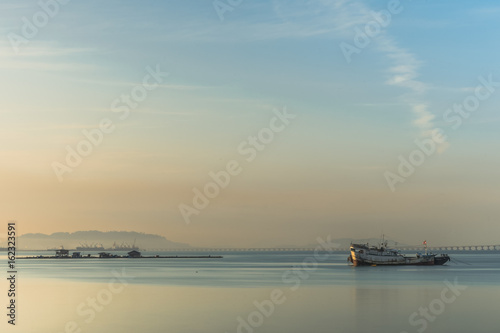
(254, 292)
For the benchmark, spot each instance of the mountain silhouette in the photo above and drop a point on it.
(39, 241)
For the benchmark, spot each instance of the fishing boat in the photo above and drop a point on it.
(364, 254)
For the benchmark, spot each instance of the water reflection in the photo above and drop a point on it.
(49, 305)
(233, 296)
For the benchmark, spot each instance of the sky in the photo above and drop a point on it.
(341, 118)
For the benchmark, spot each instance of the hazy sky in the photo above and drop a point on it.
(358, 89)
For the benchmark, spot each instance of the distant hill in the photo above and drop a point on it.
(144, 241)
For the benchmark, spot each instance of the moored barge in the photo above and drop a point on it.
(364, 254)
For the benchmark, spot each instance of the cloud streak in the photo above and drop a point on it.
(338, 19)
(404, 74)
(42, 56)
(404, 70)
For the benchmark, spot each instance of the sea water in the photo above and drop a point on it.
(254, 292)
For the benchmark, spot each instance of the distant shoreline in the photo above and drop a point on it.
(124, 257)
(241, 250)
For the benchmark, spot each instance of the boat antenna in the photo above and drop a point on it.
(384, 243)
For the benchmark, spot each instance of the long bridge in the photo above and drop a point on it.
(338, 249)
(453, 248)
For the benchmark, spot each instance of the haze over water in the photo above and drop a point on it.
(209, 295)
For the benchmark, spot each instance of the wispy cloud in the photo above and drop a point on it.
(404, 74)
(338, 19)
(404, 67)
(486, 11)
(42, 56)
(125, 83)
(279, 19)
